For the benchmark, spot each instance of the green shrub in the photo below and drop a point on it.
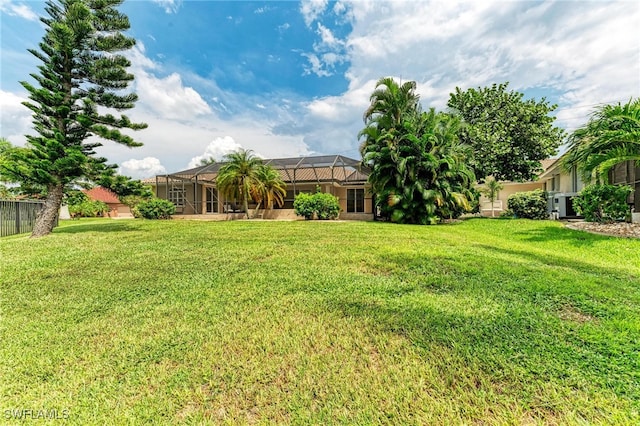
(303, 205)
(88, 208)
(327, 206)
(155, 208)
(603, 203)
(529, 205)
(507, 214)
(321, 205)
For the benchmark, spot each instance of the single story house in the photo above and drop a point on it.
(107, 196)
(562, 186)
(194, 191)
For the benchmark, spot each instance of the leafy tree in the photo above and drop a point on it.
(82, 77)
(238, 175)
(268, 188)
(491, 190)
(611, 136)
(509, 136)
(75, 197)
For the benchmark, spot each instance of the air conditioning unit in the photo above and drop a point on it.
(562, 204)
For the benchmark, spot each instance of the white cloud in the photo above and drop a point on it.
(328, 40)
(15, 118)
(315, 66)
(169, 6)
(141, 169)
(312, 9)
(169, 98)
(15, 9)
(217, 149)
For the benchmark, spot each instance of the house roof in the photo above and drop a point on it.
(100, 193)
(321, 168)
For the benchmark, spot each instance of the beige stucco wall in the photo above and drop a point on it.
(510, 188)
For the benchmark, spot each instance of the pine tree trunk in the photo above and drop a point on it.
(46, 220)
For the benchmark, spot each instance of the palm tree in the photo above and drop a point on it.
(391, 105)
(238, 175)
(611, 136)
(269, 188)
(422, 177)
(391, 101)
(491, 190)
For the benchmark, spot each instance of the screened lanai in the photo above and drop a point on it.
(194, 191)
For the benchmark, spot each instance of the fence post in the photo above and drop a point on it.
(18, 218)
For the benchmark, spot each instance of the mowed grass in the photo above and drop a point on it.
(484, 321)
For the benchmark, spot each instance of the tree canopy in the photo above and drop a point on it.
(81, 83)
(508, 134)
(611, 136)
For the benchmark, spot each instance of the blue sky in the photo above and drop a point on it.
(289, 78)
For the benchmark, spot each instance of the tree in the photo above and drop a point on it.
(268, 188)
(509, 136)
(238, 175)
(611, 136)
(491, 190)
(124, 186)
(82, 78)
(391, 103)
(206, 161)
(417, 162)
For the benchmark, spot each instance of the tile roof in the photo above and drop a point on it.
(100, 193)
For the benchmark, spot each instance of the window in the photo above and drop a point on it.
(355, 200)
(177, 197)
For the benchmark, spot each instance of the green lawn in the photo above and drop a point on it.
(485, 321)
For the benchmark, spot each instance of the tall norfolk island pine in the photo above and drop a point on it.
(82, 75)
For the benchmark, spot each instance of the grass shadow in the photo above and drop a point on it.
(103, 226)
(574, 237)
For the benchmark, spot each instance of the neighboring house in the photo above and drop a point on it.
(562, 186)
(509, 188)
(195, 192)
(116, 207)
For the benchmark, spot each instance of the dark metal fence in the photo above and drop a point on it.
(17, 216)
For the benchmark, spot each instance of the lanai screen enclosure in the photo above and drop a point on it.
(194, 191)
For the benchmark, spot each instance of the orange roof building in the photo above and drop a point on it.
(110, 198)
